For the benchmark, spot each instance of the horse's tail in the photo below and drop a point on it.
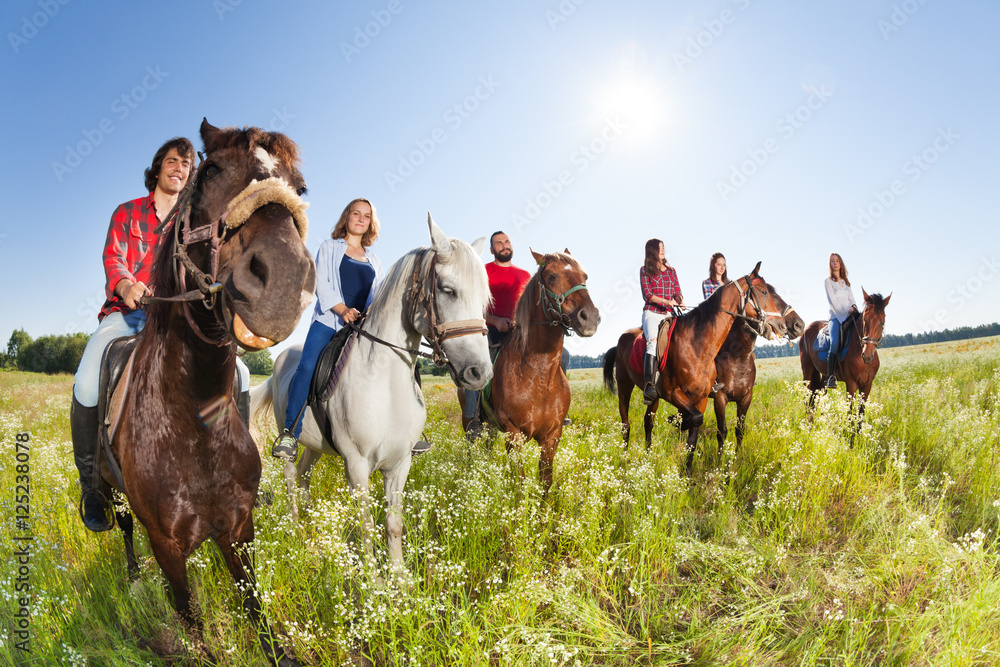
(261, 404)
(609, 371)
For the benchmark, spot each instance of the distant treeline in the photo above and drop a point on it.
(893, 340)
(61, 354)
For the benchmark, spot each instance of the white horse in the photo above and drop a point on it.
(376, 412)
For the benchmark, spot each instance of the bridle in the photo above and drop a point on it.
(866, 339)
(422, 292)
(552, 304)
(757, 325)
(252, 197)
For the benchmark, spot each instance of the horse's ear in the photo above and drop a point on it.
(756, 271)
(865, 294)
(209, 135)
(539, 259)
(885, 301)
(479, 245)
(566, 250)
(439, 242)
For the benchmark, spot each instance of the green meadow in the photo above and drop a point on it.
(794, 550)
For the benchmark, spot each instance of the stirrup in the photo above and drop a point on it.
(96, 524)
(474, 430)
(649, 394)
(831, 381)
(286, 448)
(420, 447)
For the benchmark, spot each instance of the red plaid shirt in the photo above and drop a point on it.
(128, 250)
(664, 286)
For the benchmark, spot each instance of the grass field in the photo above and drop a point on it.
(795, 550)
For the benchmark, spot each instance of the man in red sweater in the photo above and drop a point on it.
(507, 282)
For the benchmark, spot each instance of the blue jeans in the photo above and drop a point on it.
(298, 391)
(835, 327)
(86, 384)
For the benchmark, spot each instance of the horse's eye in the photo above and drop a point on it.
(448, 290)
(211, 171)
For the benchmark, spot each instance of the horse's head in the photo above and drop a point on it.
(246, 231)
(795, 325)
(872, 324)
(455, 294)
(757, 302)
(563, 293)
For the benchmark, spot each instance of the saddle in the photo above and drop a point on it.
(330, 365)
(116, 360)
(662, 347)
(823, 340)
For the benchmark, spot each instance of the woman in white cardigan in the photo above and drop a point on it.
(348, 275)
(842, 306)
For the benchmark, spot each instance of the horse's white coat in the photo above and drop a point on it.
(377, 411)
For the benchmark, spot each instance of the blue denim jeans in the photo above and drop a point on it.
(86, 384)
(298, 391)
(835, 327)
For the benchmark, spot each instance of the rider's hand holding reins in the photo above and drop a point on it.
(131, 292)
(347, 314)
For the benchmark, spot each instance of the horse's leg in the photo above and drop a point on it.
(742, 407)
(624, 397)
(171, 559)
(236, 553)
(394, 480)
(649, 421)
(126, 524)
(722, 430)
(304, 472)
(357, 479)
(291, 483)
(691, 422)
(548, 444)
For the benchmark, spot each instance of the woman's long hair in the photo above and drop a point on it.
(340, 229)
(724, 278)
(652, 266)
(843, 270)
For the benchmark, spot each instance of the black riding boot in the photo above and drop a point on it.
(831, 371)
(243, 405)
(83, 424)
(649, 395)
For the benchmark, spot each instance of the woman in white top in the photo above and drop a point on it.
(842, 306)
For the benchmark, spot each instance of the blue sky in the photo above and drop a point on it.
(772, 131)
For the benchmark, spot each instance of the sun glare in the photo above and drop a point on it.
(639, 102)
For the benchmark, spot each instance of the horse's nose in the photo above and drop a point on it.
(798, 328)
(476, 376)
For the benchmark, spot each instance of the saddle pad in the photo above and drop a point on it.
(635, 357)
(662, 347)
(330, 365)
(117, 356)
(823, 341)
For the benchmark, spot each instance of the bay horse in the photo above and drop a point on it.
(689, 371)
(736, 369)
(376, 411)
(860, 365)
(529, 397)
(188, 465)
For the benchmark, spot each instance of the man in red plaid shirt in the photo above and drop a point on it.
(662, 293)
(128, 261)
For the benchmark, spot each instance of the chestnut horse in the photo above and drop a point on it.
(859, 367)
(529, 396)
(189, 467)
(736, 369)
(689, 372)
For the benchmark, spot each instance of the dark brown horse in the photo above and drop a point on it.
(689, 371)
(736, 369)
(859, 367)
(529, 396)
(190, 468)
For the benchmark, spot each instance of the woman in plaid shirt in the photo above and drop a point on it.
(662, 293)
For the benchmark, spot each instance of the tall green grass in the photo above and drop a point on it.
(795, 550)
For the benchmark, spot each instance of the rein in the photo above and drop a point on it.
(755, 324)
(423, 287)
(864, 339)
